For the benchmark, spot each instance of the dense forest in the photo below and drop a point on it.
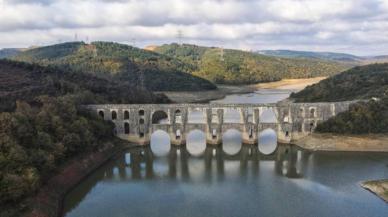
(368, 83)
(42, 124)
(362, 118)
(118, 62)
(362, 82)
(240, 67)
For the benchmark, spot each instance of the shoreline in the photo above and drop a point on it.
(224, 90)
(337, 142)
(351, 143)
(207, 95)
(48, 201)
(297, 84)
(377, 187)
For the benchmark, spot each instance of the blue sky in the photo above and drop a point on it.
(353, 26)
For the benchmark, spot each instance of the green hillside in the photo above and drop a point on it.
(362, 118)
(240, 67)
(119, 62)
(23, 81)
(42, 125)
(362, 82)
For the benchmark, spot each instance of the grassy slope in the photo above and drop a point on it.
(119, 62)
(241, 67)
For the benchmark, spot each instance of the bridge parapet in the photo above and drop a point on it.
(292, 121)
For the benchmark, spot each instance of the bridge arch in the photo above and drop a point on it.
(232, 115)
(126, 128)
(141, 112)
(268, 115)
(101, 114)
(159, 116)
(141, 121)
(160, 143)
(126, 115)
(196, 116)
(232, 141)
(196, 142)
(114, 115)
(268, 141)
(178, 116)
(313, 112)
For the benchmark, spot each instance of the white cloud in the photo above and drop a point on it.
(249, 24)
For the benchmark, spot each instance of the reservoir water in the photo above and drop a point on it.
(231, 180)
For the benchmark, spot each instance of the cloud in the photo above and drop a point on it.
(357, 26)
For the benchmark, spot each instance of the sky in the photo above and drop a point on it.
(352, 26)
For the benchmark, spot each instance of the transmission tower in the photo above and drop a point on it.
(179, 36)
(133, 42)
(222, 54)
(75, 37)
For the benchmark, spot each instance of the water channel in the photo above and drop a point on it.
(232, 180)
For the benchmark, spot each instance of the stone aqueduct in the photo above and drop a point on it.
(134, 122)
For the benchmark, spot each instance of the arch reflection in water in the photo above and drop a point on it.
(160, 143)
(196, 142)
(232, 141)
(267, 141)
(140, 163)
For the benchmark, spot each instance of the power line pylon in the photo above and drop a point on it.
(180, 36)
(133, 42)
(222, 54)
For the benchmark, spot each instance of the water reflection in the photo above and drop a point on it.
(196, 142)
(213, 165)
(209, 181)
(267, 141)
(160, 143)
(232, 141)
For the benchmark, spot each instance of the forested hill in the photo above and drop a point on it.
(240, 67)
(118, 62)
(362, 82)
(42, 124)
(23, 81)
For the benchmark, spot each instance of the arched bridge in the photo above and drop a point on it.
(291, 121)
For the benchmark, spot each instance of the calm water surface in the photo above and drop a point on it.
(232, 180)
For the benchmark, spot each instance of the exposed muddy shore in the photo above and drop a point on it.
(351, 143)
(334, 142)
(378, 187)
(224, 90)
